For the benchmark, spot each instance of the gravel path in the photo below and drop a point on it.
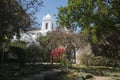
(100, 78)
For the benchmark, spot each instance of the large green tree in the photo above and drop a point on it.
(12, 18)
(100, 17)
(16, 14)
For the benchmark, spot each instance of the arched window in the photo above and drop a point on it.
(46, 25)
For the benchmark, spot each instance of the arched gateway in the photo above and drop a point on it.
(70, 52)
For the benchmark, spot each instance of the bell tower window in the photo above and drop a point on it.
(46, 26)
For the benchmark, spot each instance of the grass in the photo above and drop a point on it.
(114, 78)
(9, 72)
(13, 73)
(90, 79)
(113, 73)
(98, 70)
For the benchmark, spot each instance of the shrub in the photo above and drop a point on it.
(88, 76)
(18, 49)
(96, 61)
(103, 61)
(56, 54)
(33, 54)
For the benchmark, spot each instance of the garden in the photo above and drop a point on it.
(84, 46)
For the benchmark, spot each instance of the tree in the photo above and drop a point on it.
(51, 41)
(31, 7)
(100, 18)
(13, 17)
(19, 48)
(44, 48)
(33, 54)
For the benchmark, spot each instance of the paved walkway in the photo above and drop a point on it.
(100, 78)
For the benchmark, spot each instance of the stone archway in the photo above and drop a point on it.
(71, 53)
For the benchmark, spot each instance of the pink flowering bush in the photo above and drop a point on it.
(56, 54)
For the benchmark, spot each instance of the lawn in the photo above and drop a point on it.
(54, 72)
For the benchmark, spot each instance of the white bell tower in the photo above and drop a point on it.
(47, 23)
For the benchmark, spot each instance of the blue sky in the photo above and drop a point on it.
(50, 6)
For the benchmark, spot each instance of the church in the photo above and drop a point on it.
(31, 36)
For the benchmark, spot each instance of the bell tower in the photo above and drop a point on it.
(47, 23)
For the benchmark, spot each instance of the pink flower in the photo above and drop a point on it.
(56, 54)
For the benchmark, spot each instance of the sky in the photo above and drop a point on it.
(50, 6)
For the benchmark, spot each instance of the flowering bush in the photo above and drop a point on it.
(56, 54)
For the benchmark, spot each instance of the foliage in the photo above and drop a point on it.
(31, 7)
(99, 61)
(56, 54)
(33, 54)
(100, 18)
(45, 48)
(51, 41)
(65, 64)
(19, 44)
(61, 37)
(52, 45)
(14, 16)
(18, 48)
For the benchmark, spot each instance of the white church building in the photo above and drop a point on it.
(32, 36)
